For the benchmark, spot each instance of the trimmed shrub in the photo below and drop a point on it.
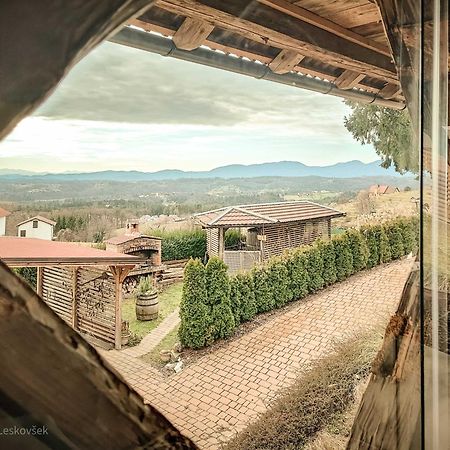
(371, 236)
(235, 299)
(329, 264)
(263, 292)
(297, 265)
(344, 257)
(395, 237)
(315, 268)
(29, 274)
(359, 249)
(409, 229)
(181, 244)
(218, 298)
(385, 251)
(278, 278)
(195, 328)
(247, 296)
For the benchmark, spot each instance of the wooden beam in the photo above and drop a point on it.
(245, 53)
(265, 25)
(221, 237)
(74, 298)
(192, 33)
(325, 24)
(285, 61)
(348, 79)
(390, 91)
(39, 280)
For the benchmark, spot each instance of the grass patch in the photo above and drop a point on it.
(169, 300)
(166, 344)
(315, 402)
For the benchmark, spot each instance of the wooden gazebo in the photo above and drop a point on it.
(270, 229)
(82, 285)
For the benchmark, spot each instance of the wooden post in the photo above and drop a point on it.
(119, 273)
(39, 280)
(221, 238)
(74, 298)
(329, 228)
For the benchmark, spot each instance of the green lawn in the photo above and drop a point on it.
(166, 344)
(169, 299)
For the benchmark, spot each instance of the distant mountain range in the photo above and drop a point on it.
(349, 169)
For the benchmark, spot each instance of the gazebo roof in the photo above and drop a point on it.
(21, 252)
(265, 214)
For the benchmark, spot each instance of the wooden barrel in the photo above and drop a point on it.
(147, 306)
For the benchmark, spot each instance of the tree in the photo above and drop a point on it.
(263, 292)
(371, 237)
(388, 130)
(195, 327)
(359, 249)
(395, 237)
(278, 277)
(247, 296)
(329, 262)
(315, 268)
(344, 257)
(297, 264)
(218, 297)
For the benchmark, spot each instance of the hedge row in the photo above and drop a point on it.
(214, 304)
(186, 244)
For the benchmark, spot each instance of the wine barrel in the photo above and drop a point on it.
(147, 306)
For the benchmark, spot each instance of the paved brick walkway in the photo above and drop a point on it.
(153, 338)
(222, 392)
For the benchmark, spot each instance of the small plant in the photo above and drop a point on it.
(145, 286)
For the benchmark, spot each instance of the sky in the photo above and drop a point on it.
(125, 109)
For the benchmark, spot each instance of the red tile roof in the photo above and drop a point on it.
(40, 218)
(4, 212)
(16, 251)
(265, 214)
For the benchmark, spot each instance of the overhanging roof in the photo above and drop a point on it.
(22, 252)
(342, 44)
(266, 214)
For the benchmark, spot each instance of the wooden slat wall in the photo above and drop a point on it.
(281, 237)
(95, 304)
(57, 291)
(212, 236)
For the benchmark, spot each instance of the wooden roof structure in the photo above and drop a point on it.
(22, 252)
(265, 214)
(341, 45)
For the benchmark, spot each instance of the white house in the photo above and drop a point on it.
(3, 215)
(36, 227)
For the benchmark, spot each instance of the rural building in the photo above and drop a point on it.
(137, 244)
(3, 215)
(381, 189)
(270, 229)
(36, 227)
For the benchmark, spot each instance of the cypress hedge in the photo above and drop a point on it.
(195, 328)
(344, 256)
(214, 303)
(218, 298)
(328, 252)
(247, 296)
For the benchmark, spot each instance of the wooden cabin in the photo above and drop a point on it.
(268, 229)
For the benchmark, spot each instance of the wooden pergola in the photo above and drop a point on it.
(69, 273)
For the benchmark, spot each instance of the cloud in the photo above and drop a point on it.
(122, 84)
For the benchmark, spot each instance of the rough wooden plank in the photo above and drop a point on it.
(325, 24)
(285, 61)
(348, 79)
(390, 408)
(51, 35)
(192, 34)
(265, 25)
(390, 91)
(56, 378)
